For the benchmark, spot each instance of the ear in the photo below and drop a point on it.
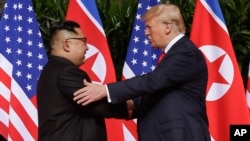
(168, 28)
(66, 46)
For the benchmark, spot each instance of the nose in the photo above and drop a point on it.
(87, 47)
(146, 32)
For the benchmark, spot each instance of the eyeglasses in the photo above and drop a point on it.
(84, 39)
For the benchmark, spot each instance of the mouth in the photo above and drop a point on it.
(149, 39)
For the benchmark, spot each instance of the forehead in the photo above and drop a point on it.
(151, 21)
(79, 31)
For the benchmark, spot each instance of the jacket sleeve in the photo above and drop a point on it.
(183, 64)
(71, 79)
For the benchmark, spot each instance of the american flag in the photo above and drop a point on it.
(22, 57)
(225, 100)
(141, 57)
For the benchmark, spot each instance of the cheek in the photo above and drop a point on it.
(79, 52)
(158, 39)
(156, 31)
(155, 36)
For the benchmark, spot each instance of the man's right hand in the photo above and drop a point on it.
(90, 93)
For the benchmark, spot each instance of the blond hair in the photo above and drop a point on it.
(166, 13)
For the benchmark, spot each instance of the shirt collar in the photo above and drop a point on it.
(172, 42)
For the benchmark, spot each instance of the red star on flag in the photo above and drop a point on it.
(214, 75)
(89, 62)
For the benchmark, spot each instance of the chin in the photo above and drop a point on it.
(153, 46)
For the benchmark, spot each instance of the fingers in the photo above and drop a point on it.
(86, 103)
(88, 94)
(82, 90)
(82, 99)
(77, 97)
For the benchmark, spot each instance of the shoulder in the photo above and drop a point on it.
(73, 72)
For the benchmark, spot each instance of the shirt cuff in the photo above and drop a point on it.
(108, 96)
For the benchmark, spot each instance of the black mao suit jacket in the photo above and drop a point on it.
(172, 105)
(62, 119)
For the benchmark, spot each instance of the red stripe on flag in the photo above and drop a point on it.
(14, 134)
(18, 107)
(22, 113)
(4, 104)
(5, 78)
(3, 130)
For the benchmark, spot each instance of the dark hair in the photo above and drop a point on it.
(63, 25)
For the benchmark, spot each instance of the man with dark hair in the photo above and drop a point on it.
(60, 118)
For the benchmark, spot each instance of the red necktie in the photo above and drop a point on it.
(161, 57)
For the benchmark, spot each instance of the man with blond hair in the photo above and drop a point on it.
(170, 100)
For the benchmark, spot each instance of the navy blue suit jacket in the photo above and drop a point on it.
(171, 104)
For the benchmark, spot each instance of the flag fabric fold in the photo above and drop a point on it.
(226, 101)
(99, 64)
(248, 88)
(22, 57)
